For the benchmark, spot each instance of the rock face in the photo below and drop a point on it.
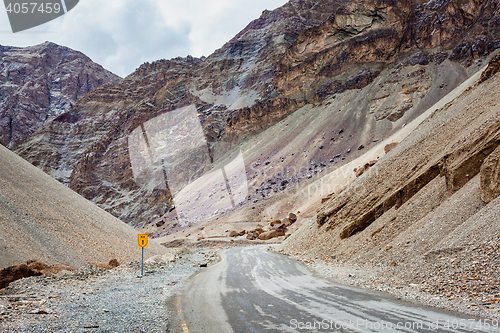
(39, 83)
(490, 177)
(431, 206)
(377, 63)
(16, 272)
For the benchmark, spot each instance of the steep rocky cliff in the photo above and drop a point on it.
(354, 71)
(40, 82)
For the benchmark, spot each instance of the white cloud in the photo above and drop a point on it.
(122, 34)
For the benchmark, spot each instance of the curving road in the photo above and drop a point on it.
(252, 290)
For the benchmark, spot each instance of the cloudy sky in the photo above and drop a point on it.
(122, 34)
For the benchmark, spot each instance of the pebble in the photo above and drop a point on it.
(91, 297)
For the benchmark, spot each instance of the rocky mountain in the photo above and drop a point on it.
(306, 88)
(40, 82)
(426, 215)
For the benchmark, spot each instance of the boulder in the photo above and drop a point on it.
(280, 229)
(390, 146)
(273, 223)
(16, 272)
(50, 269)
(254, 234)
(113, 263)
(286, 221)
(281, 226)
(242, 232)
(490, 177)
(328, 197)
(359, 171)
(268, 234)
(292, 217)
(233, 234)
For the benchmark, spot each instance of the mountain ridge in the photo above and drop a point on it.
(304, 55)
(40, 82)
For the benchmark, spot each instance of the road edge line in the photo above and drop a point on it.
(179, 296)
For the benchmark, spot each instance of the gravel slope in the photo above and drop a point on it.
(94, 300)
(44, 220)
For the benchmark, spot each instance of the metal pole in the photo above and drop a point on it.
(142, 262)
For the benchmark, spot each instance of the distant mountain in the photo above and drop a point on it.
(40, 82)
(342, 74)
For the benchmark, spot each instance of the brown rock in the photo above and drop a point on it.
(233, 234)
(282, 228)
(286, 221)
(273, 223)
(113, 263)
(360, 171)
(269, 234)
(329, 196)
(37, 265)
(16, 272)
(292, 217)
(490, 177)
(242, 232)
(390, 146)
(254, 234)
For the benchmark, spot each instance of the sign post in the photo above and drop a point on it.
(142, 242)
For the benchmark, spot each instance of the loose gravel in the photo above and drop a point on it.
(95, 300)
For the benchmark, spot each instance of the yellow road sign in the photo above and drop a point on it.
(142, 240)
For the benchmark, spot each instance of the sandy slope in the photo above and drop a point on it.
(44, 220)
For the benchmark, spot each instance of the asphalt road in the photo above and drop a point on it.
(252, 290)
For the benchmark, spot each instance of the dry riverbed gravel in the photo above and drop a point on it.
(92, 299)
